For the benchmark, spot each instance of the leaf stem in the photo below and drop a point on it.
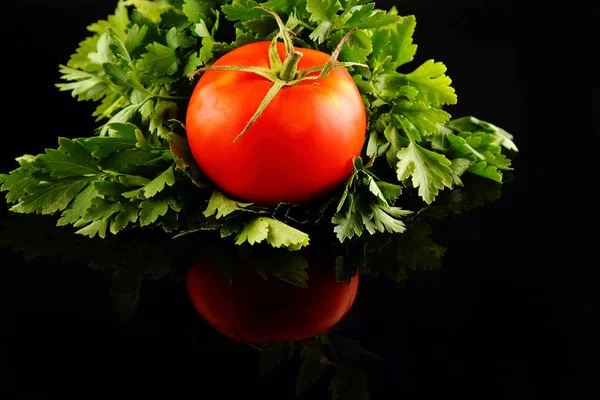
(163, 97)
(305, 25)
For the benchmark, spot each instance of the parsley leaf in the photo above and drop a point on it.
(429, 171)
(276, 233)
(323, 12)
(433, 86)
(424, 118)
(311, 368)
(158, 183)
(474, 125)
(82, 84)
(71, 159)
(160, 60)
(47, 197)
(220, 205)
(356, 212)
(149, 9)
(366, 18)
(393, 45)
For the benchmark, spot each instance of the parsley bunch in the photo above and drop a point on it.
(136, 169)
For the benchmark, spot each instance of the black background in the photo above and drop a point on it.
(498, 321)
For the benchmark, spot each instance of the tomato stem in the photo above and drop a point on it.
(289, 70)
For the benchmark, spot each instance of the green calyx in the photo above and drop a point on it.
(284, 73)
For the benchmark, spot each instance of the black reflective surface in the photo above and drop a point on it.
(495, 321)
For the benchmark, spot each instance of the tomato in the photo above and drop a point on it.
(299, 149)
(254, 310)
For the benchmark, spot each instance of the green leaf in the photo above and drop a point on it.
(133, 180)
(376, 191)
(485, 170)
(201, 29)
(415, 249)
(50, 197)
(385, 219)
(283, 235)
(324, 12)
(390, 86)
(156, 113)
(78, 208)
(390, 191)
(18, 183)
(194, 10)
(432, 84)
(283, 6)
(103, 52)
(128, 161)
(430, 171)
(474, 125)
(459, 167)
(253, 232)
(159, 60)
(122, 77)
(396, 143)
(206, 51)
(71, 159)
(348, 221)
(118, 53)
(356, 48)
(176, 39)
(110, 188)
(80, 59)
(83, 85)
(125, 286)
(135, 37)
(240, 12)
(94, 228)
(124, 115)
(366, 17)
(393, 46)
(269, 359)
(101, 146)
(345, 269)
(158, 184)
(128, 215)
(101, 209)
(192, 63)
(311, 368)
(149, 9)
(349, 384)
(276, 233)
(292, 269)
(119, 21)
(482, 151)
(424, 118)
(152, 209)
(220, 205)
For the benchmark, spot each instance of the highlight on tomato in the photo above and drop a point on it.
(253, 310)
(270, 123)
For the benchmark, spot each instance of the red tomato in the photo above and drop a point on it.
(255, 310)
(299, 149)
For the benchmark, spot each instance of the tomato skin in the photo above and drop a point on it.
(254, 310)
(299, 149)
